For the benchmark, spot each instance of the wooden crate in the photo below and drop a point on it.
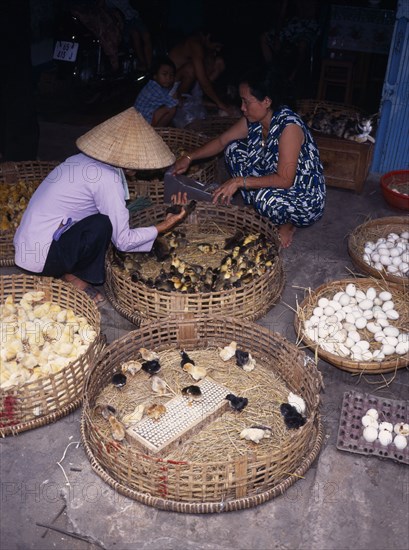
(346, 162)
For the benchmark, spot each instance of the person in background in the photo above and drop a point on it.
(154, 101)
(197, 59)
(79, 208)
(271, 155)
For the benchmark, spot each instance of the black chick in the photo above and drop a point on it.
(161, 248)
(237, 403)
(151, 367)
(119, 380)
(242, 357)
(185, 359)
(236, 240)
(193, 393)
(292, 418)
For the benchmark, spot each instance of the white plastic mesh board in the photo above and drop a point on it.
(180, 419)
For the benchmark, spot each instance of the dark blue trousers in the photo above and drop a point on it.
(81, 250)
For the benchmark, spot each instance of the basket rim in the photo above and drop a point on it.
(385, 185)
(203, 507)
(366, 367)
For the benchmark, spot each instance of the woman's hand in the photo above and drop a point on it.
(225, 192)
(181, 165)
(173, 219)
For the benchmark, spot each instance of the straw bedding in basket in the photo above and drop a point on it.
(400, 298)
(180, 141)
(136, 301)
(214, 470)
(373, 230)
(18, 181)
(50, 397)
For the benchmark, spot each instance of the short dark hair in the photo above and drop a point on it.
(268, 82)
(159, 61)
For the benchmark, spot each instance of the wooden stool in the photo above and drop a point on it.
(336, 77)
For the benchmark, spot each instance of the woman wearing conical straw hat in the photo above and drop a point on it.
(79, 208)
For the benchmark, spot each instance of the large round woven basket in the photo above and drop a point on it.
(234, 482)
(49, 398)
(135, 301)
(151, 183)
(31, 173)
(327, 290)
(373, 230)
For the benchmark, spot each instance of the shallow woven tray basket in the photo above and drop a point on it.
(11, 173)
(135, 301)
(58, 394)
(304, 311)
(373, 230)
(236, 483)
(151, 183)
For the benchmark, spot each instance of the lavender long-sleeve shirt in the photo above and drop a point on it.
(77, 188)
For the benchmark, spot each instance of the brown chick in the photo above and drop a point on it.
(197, 373)
(156, 411)
(117, 428)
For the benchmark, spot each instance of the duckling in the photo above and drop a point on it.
(228, 351)
(255, 433)
(165, 286)
(148, 355)
(234, 241)
(117, 429)
(161, 248)
(156, 411)
(197, 373)
(193, 393)
(208, 248)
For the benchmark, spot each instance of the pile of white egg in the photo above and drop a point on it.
(385, 432)
(357, 325)
(390, 254)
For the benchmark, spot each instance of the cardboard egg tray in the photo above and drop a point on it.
(350, 432)
(181, 419)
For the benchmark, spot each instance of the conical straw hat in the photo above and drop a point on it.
(128, 141)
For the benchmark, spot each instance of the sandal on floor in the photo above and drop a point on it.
(93, 293)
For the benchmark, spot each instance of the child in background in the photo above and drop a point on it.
(154, 101)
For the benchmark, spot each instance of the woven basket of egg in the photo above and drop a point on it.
(202, 415)
(18, 181)
(358, 325)
(50, 339)
(219, 260)
(380, 248)
(150, 183)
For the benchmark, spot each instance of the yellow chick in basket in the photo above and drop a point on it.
(134, 416)
(148, 355)
(255, 433)
(158, 385)
(197, 373)
(228, 351)
(117, 429)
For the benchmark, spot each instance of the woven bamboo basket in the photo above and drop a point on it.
(135, 301)
(399, 296)
(235, 482)
(58, 394)
(30, 172)
(307, 108)
(213, 126)
(373, 230)
(151, 183)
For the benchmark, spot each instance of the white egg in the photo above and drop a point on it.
(396, 261)
(360, 323)
(374, 327)
(370, 434)
(392, 269)
(386, 426)
(341, 350)
(375, 257)
(378, 266)
(405, 257)
(354, 335)
(383, 322)
(366, 303)
(394, 252)
(391, 340)
(379, 336)
(378, 355)
(402, 348)
(387, 305)
(392, 314)
(378, 313)
(363, 344)
(403, 337)
(350, 318)
(328, 310)
(366, 258)
(387, 349)
(367, 355)
(385, 437)
(340, 336)
(404, 267)
(350, 289)
(370, 245)
(327, 346)
(335, 305)
(377, 301)
(337, 296)
(357, 312)
(404, 235)
(385, 260)
(368, 420)
(373, 412)
(323, 302)
(314, 320)
(340, 315)
(385, 296)
(318, 311)
(368, 314)
(400, 442)
(348, 326)
(391, 331)
(371, 293)
(356, 350)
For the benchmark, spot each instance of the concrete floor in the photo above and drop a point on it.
(345, 501)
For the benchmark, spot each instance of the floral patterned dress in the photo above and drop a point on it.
(303, 203)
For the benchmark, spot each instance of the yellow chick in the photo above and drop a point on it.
(131, 367)
(228, 351)
(156, 411)
(117, 428)
(148, 355)
(158, 385)
(197, 373)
